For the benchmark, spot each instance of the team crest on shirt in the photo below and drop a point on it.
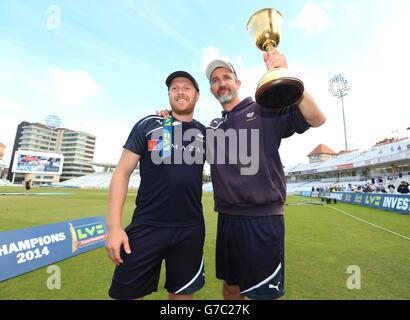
(154, 145)
(250, 116)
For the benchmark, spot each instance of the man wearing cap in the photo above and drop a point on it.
(168, 222)
(250, 234)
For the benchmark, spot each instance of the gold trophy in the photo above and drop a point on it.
(277, 89)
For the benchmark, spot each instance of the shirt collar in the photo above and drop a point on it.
(242, 105)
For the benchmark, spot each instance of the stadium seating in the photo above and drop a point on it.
(207, 187)
(98, 180)
(327, 173)
(373, 156)
(5, 183)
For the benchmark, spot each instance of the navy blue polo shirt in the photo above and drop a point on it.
(264, 192)
(169, 194)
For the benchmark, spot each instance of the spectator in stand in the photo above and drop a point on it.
(369, 188)
(391, 188)
(403, 188)
(381, 187)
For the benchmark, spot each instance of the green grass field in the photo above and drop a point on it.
(321, 243)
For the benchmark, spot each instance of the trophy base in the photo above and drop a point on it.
(277, 90)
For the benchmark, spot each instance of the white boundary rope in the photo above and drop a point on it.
(364, 221)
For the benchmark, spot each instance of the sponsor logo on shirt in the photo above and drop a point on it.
(154, 145)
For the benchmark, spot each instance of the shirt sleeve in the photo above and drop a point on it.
(294, 122)
(137, 141)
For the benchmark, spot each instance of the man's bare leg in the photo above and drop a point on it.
(232, 292)
(173, 296)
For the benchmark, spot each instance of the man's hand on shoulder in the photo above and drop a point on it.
(163, 113)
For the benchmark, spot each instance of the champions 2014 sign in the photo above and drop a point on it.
(25, 250)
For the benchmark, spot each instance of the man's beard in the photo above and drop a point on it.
(225, 99)
(189, 109)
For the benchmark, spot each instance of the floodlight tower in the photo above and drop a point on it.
(339, 88)
(53, 122)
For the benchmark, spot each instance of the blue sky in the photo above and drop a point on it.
(101, 65)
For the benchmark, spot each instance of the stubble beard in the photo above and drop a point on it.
(225, 99)
(189, 109)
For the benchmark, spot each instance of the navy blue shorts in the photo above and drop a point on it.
(250, 254)
(182, 250)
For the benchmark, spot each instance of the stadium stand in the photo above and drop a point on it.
(98, 180)
(5, 183)
(389, 161)
(344, 171)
